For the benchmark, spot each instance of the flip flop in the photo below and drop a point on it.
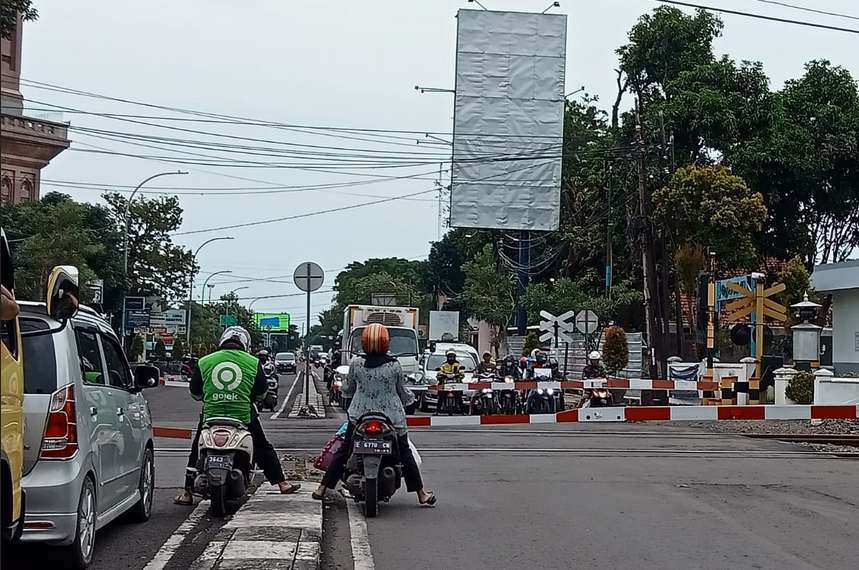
(181, 503)
(316, 496)
(293, 487)
(429, 502)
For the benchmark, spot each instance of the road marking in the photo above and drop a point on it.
(288, 395)
(172, 544)
(362, 556)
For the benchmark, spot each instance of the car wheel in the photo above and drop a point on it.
(79, 553)
(142, 509)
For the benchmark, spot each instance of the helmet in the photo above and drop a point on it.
(237, 335)
(595, 355)
(509, 359)
(262, 354)
(542, 357)
(450, 353)
(375, 339)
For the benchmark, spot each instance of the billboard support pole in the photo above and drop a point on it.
(524, 267)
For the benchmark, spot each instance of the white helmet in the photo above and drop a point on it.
(595, 355)
(237, 335)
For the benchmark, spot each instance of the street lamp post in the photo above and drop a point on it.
(191, 287)
(125, 244)
(252, 303)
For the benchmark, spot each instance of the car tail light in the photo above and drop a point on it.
(373, 427)
(221, 437)
(61, 432)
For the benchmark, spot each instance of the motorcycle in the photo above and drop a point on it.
(450, 400)
(484, 402)
(542, 400)
(373, 472)
(273, 385)
(509, 400)
(225, 466)
(600, 398)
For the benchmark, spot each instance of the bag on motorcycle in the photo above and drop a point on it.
(415, 453)
(324, 460)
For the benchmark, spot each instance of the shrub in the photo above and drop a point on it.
(800, 389)
(160, 350)
(532, 341)
(615, 350)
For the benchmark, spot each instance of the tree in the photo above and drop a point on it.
(489, 294)
(709, 206)
(178, 348)
(689, 261)
(615, 349)
(160, 350)
(9, 12)
(137, 348)
(155, 264)
(532, 341)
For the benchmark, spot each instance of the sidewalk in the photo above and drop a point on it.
(317, 402)
(271, 531)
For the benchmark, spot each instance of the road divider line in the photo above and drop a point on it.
(172, 544)
(288, 396)
(359, 539)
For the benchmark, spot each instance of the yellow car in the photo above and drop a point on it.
(61, 303)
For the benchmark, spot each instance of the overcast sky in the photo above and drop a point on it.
(331, 63)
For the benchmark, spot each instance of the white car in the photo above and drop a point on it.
(428, 373)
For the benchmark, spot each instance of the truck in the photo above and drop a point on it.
(402, 324)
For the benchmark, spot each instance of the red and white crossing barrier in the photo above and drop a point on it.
(649, 413)
(618, 383)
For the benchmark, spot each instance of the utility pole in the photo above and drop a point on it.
(651, 293)
(609, 256)
(524, 268)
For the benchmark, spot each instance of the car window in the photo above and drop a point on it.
(90, 357)
(117, 369)
(40, 359)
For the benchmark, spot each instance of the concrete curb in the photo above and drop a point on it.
(317, 402)
(271, 531)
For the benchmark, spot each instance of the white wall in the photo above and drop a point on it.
(845, 328)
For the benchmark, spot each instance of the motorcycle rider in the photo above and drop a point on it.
(509, 367)
(541, 360)
(593, 369)
(215, 377)
(450, 366)
(487, 366)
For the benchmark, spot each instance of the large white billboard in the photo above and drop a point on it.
(508, 120)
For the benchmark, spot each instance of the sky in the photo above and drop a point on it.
(310, 70)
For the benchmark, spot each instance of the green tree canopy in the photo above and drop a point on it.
(9, 10)
(489, 293)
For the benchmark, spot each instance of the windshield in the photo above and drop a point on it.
(436, 360)
(285, 356)
(404, 342)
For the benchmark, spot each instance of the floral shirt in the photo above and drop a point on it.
(381, 389)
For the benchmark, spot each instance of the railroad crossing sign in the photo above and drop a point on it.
(556, 327)
(308, 276)
(758, 302)
(587, 322)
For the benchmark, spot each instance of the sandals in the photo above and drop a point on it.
(181, 503)
(317, 496)
(293, 487)
(429, 502)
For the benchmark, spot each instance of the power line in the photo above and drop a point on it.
(806, 9)
(758, 16)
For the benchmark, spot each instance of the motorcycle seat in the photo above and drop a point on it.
(378, 416)
(228, 422)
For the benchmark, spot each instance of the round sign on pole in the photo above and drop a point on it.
(308, 276)
(587, 322)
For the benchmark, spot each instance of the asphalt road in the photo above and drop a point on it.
(555, 496)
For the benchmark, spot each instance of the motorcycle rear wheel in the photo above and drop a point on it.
(371, 498)
(219, 500)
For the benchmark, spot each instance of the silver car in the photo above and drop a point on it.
(88, 443)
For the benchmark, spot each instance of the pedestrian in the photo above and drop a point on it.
(377, 383)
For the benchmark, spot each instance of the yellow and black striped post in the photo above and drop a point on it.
(754, 390)
(728, 396)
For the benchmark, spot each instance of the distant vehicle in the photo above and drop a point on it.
(458, 347)
(89, 444)
(285, 362)
(427, 375)
(402, 324)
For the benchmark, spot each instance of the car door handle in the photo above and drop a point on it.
(93, 411)
(120, 412)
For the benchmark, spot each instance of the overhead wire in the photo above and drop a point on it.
(759, 16)
(807, 9)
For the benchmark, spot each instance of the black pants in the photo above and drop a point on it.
(264, 455)
(411, 471)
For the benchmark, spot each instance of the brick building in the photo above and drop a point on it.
(27, 143)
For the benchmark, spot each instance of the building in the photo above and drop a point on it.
(841, 280)
(28, 143)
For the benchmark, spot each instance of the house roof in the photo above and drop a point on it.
(836, 276)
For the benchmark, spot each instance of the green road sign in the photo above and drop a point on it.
(272, 321)
(228, 320)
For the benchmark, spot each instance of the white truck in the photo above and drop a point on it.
(402, 324)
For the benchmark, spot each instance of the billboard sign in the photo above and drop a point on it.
(508, 124)
(272, 321)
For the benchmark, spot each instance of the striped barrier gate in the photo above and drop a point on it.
(613, 383)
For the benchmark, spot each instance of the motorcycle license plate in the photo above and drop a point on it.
(373, 447)
(219, 461)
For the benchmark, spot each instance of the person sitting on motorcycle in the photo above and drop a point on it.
(232, 371)
(593, 369)
(450, 366)
(487, 365)
(556, 369)
(541, 360)
(509, 367)
(377, 383)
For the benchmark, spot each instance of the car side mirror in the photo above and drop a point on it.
(146, 377)
(438, 369)
(63, 293)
